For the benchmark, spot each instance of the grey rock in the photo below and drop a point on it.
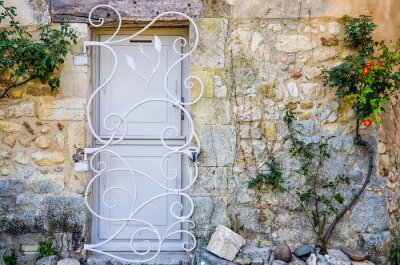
(11, 186)
(337, 257)
(377, 245)
(63, 213)
(20, 224)
(251, 255)
(68, 262)
(279, 262)
(47, 183)
(51, 260)
(322, 260)
(283, 253)
(371, 215)
(271, 258)
(296, 261)
(204, 257)
(304, 251)
(355, 254)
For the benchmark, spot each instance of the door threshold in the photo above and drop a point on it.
(164, 258)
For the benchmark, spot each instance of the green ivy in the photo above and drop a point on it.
(273, 177)
(395, 251)
(24, 58)
(366, 79)
(10, 260)
(45, 249)
(320, 198)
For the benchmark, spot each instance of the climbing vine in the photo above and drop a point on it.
(366, 79)
(320, 199)
(24, 57)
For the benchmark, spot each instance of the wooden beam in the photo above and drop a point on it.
(132, 10)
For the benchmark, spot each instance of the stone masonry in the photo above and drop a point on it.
(254, 64)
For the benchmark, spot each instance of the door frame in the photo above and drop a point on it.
(182, 31)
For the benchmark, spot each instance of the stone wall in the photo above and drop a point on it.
(40, 132)
(255, 61)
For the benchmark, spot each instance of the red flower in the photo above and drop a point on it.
(370, 65)
(381, 64)
(367, 123)
(366, 70)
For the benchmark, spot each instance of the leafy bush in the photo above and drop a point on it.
(366, 79)
(22, 58)
(10, 260)
(45, 249)
(395, 251)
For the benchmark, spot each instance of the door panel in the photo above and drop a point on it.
(145, 159)
(129, 87)
(121, 192)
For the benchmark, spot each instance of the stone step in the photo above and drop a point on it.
(166, 258)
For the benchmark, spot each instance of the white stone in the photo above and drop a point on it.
(29, 14)
(60, 140)
(312, 260)
(42, 142)
(255, 41)
(5, 171)
(63, 109)
(21, 158)
(239, 41)
(220, 91)
(312, 90)
(48, 158)
(293, 90)
(45, 129)
(68, 262)
(322, 55)
(26, 139)
(76, 136)
(275, 27)
(4, 154)
(10, 140)
(9, 127)
(211, 49)
(294, 43)
(26, 108)
(332, 117)
(225, 243)
(247, 109)
(334, 28)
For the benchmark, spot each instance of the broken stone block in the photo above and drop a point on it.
(225, 243)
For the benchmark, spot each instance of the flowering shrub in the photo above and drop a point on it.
(367, 79)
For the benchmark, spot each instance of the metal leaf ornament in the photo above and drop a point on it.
(157, 43)
(130, 62)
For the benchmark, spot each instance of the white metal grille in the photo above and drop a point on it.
(190, 148)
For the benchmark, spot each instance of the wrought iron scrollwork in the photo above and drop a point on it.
(190, 148)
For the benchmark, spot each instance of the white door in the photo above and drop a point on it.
(141, 148)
